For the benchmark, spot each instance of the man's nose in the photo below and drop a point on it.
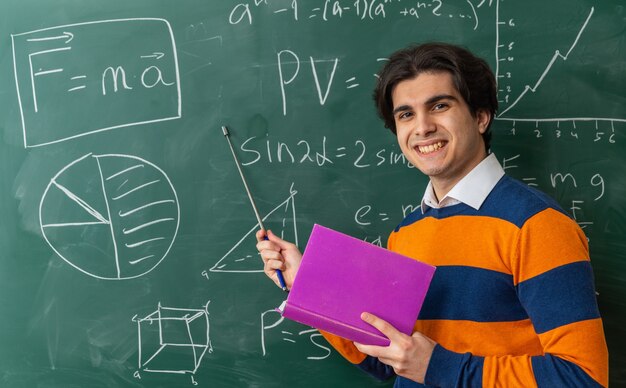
(424, 125)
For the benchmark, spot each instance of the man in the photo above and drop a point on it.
(512, 303)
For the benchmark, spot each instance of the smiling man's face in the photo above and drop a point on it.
(436, 130)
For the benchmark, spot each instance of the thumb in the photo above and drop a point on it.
(260, 235)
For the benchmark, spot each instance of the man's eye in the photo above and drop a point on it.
(404, 115)
(439, 106)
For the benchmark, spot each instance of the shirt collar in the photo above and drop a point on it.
(472, 189)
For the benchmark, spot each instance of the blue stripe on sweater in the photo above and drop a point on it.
(470, 293)
(551, 371)
(451, 369)
(561, 296)
(372, 366)
(507, 191)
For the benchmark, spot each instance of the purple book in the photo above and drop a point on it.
(341, 276)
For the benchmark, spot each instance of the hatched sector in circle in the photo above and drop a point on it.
(110, 216)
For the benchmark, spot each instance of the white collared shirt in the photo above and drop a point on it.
(471, 190)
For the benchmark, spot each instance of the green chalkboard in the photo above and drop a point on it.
(126, 250)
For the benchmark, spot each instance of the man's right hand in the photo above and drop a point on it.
(278, 254)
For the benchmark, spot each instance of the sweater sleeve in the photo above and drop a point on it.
(554, 282)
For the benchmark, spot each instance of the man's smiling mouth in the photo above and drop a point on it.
(430, 148)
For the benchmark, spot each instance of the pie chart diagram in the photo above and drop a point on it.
(110, 216)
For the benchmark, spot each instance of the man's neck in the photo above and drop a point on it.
(441, 189)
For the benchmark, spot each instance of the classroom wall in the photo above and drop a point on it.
(126, 243)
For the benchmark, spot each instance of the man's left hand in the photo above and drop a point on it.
(407, 355)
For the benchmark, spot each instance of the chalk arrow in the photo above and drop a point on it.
(154, 55)
(66, 35)
(69, 36)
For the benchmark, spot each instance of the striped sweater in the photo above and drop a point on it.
(512, 303)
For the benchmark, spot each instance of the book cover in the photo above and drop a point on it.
(341, 276)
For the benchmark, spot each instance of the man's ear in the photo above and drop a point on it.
(483, 117)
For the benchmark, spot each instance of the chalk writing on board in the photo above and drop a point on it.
(365, 215)
(249, 261)
(319, 152)
(71, 81)
(168, 331)
(110, 216)
(378, 241)
(580, 199)
(272, 322)
(589, 129)
(288, 57)
(325, 10)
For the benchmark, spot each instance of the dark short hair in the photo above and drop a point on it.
(471, 76)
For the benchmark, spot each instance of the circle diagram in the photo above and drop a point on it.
(110, 216)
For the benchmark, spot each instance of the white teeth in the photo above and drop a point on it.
(430, 148)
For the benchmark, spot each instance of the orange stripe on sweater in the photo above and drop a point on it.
(509, 372)
(524, 253)
(548, 240)
(583, 344)
(483, 338)
(497, 241)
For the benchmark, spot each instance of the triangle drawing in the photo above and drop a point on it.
(243, 257)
